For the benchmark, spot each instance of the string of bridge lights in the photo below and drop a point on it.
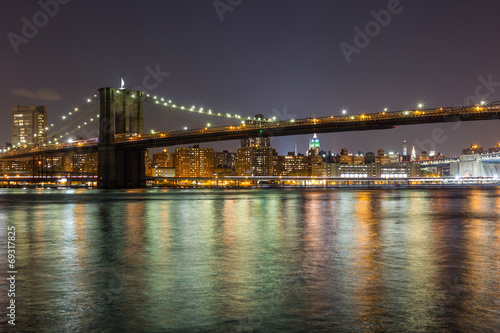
(166, 103)
(200, 110)
(67, 116)
(75, 110)
(90, 120)
(161, 101)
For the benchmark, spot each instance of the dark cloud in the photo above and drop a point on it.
(44, 94)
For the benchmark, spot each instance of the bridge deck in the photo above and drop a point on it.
(373, 121)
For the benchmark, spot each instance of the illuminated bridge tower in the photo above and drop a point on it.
(121, 112)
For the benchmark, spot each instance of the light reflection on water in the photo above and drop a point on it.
(257, 260)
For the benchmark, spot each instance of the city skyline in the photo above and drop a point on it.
(299, 77)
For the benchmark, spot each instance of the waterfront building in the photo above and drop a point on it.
(28, 124)
(256, 157)
(163, 172)
(399, 170)
(351, 170)
(85, 163)
(294, 165)
(194, 162)
(164, 159)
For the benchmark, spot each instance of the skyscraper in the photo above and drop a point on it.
(28, 124)
(405, 148)
(313, 146)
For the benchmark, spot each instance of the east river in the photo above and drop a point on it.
(257, 260)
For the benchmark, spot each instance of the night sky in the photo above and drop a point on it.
(281, 58)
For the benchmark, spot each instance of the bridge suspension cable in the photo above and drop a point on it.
(69, 114)
(81, 124)
(199, 110)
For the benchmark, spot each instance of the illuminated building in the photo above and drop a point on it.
(476, 165)
(495, 149)
(194, 162)
(163, 172)
(163, 165)
(403, 170)
(164, 160)
(382, 158)
(358, 159)
(294, 165)
(351, 170)
(314, 146)
(345, 158)
(413, 156)
(256, 157)
(28, 124)
(423, 156)
(318, 168)
(85, 163)
(395, 158)
(473, 149)
(257, 142)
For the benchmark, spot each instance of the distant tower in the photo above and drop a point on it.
(296, 150)
(405, 148)
(413, 154)
(28, 124)
(314, 146)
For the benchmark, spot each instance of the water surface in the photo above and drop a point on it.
(291, 260)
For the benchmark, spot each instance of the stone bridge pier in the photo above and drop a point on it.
(121, 112)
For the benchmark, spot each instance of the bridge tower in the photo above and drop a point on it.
(121, 112)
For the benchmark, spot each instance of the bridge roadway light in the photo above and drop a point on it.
(385, 109)
(344, 111)
(420, 105)
(483, 102)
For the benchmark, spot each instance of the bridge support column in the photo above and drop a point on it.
(120, 113)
